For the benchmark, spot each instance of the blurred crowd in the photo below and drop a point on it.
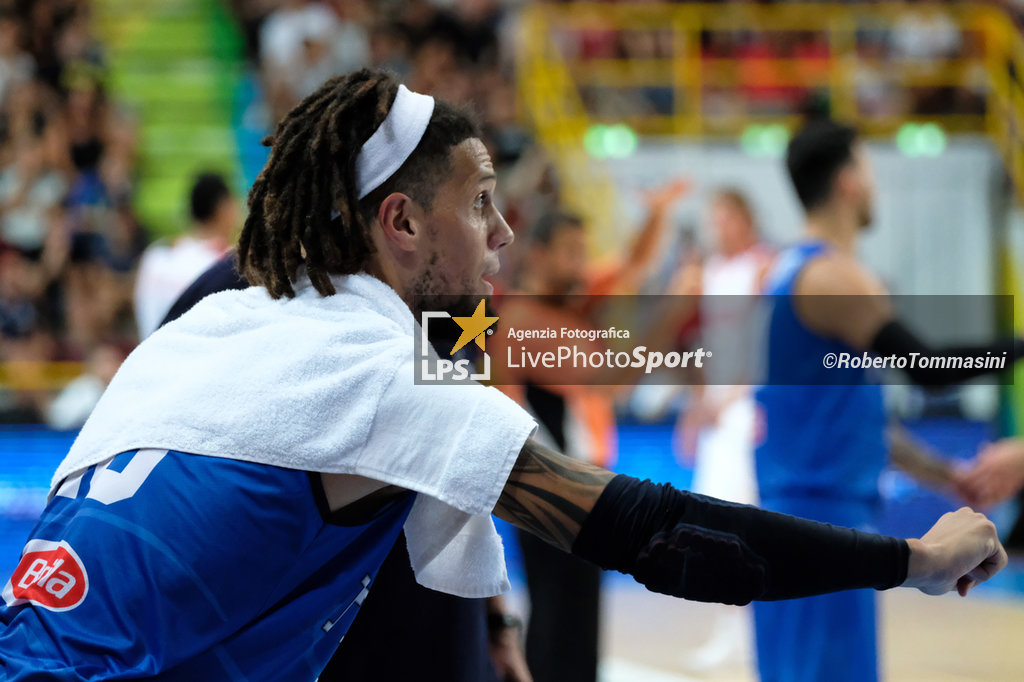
(79, 280)
(71, 246)
(746, 72)
(69, 241)
(459, 51)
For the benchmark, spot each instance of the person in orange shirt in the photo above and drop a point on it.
(562, 288)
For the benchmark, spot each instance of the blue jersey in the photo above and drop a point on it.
(824, 429)
(171, 566)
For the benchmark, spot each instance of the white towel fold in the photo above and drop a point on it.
(324, 384)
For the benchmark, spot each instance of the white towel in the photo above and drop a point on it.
(324, 384)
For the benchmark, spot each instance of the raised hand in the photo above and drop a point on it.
(666, 195)
(998, 473)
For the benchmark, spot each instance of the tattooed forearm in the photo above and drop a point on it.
(550, 495)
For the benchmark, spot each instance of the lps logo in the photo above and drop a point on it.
(49, 575)
(475, 328)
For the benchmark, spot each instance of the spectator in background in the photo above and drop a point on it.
(125, 239)
(924, 33)
(16, 65)
(251, 14)
(304, 43)
(25, 339)
(96, 288)
(74, 404)
(719, 100)
(43, 20)
(762, 78)
(105, 240)
(167, 268)
(472, 26)
(877, 94)
(17, 309)
(438, 68)
(812, 66)
(86, 120)
(389, 48)
(974, 86)
(76, 42)
(31, 189)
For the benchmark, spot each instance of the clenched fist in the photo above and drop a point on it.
(960, 551)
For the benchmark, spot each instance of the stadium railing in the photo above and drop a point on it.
(556, 82)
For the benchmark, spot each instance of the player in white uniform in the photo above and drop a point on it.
(719, 425)
(168, 267)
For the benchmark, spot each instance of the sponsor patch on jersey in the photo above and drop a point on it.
(49, 575)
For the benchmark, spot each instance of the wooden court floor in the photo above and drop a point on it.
(924, 639)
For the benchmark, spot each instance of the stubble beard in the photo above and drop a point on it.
(431, 292)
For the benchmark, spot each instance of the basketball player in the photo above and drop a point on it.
(223, 512)
(168, 267)
(444, 638)
(719, 422)
(825, 441)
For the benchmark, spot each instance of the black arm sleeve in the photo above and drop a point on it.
(895, 339)
(704, 549)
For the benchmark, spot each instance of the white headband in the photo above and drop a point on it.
(395, 139)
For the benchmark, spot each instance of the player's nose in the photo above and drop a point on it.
(501, 234)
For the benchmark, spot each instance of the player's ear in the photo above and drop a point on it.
(401, 221)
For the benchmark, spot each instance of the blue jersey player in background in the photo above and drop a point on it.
(826, 435)
(223, 512)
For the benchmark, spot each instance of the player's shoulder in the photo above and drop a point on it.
(155, 252)
(834, 273)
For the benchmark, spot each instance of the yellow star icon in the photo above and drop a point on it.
(473, 328)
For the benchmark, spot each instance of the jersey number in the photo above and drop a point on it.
(109, 486)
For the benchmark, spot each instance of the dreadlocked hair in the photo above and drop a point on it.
(312, 172)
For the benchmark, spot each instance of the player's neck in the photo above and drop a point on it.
(402, 277)
(841, 231)
(387, 273)
(214, 234)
